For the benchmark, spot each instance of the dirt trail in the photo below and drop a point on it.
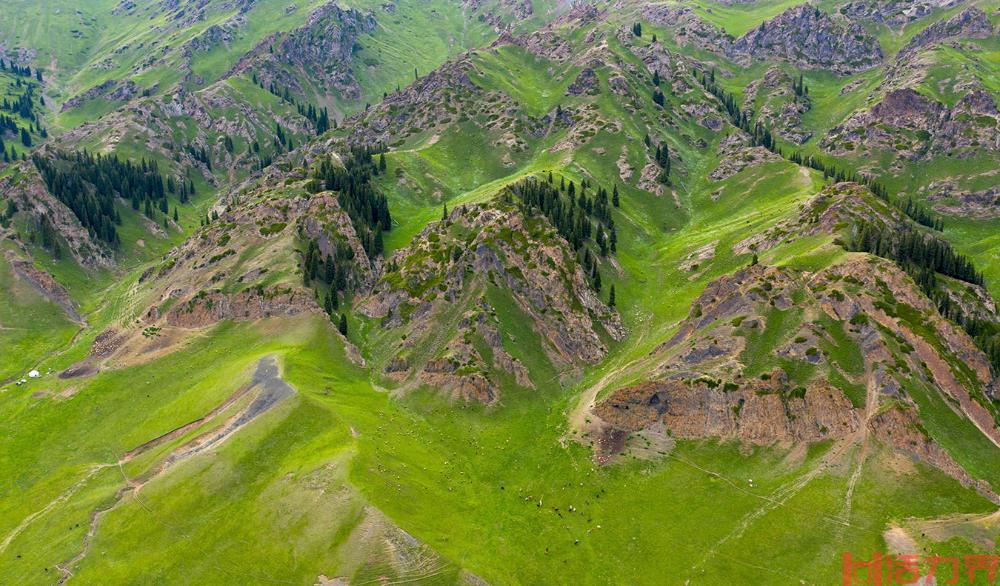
(52, 505)
(778, 498)
(784, 493)
(583, 408)
(864, 437)
(900, 543)
(270, 389)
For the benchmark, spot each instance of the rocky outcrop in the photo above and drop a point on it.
(463, 371)
(709, 383)
(947, 197)
(323, 49)
(894, 13)
(762, 412)
(777, 106)
(902, 109)
(971, 23)
(112, 90)
(673, 69)
(917, 127)
(835, 207)
(808, 37)
(761, 356)
(737, 153)
(245, 265)
(899, 427)
(218, 112)
(21, 56)
(454, 263)
(504, 11)
(585, 84)
(688, 28)
(425, 104)
(803, 35)
(45, 285)
(207, 308)
(972, 125)
(27, 190)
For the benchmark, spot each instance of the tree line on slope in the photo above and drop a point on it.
(357, 195)
(320, 117)
(89, 184)
(333, 270)
(923, 257)
(19, 71)
(577, 217)
(23, 106)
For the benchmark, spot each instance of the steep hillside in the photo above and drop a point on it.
(773, 354)
(495, 281)
(496, 291)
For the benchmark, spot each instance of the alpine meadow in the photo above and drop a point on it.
(499, 292)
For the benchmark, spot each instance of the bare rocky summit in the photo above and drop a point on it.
(318, 54)
(808, 37)
(915, 126)
(894, 13)
(971, 23)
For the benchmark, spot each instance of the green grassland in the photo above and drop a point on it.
(507, 491)
(30, 325)
(487, 490)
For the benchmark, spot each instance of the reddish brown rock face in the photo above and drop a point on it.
(210, 308)
(709, 379)
(756, 413)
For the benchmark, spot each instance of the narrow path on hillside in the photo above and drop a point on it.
(270, 388)
(778, 498)
(63, 497)
(864, 437)
(587, 399)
